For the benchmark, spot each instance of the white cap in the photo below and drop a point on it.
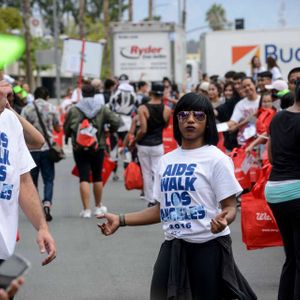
(204, 86)
(277, 85)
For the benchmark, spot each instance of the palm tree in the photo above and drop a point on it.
(216, 17)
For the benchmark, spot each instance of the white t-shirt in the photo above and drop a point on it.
(66, 105)
(15, 160)
(76, 95)
(189, 185)
(242, 110)
(276, 74)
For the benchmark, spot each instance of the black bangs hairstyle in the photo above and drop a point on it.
(193, 101)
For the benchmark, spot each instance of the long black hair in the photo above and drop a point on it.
(197, 102)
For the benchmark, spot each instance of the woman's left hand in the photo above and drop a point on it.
(219, 223)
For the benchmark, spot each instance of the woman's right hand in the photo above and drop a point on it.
(111, 225)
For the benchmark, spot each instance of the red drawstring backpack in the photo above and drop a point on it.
(107, 168)
(86, 137)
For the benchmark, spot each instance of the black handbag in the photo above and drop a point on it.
(55, 152)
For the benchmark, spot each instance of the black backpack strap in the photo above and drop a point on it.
(42, 124)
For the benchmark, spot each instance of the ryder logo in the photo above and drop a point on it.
(238, 52)
(135, 52)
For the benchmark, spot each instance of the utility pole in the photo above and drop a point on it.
(120, 10)
(184, 14)
(56, 51)
(179, 13)
(150, 10)
(130, 12)
(26, 18)
(81, 18)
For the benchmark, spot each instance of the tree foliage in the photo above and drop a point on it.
(68, 15)
(10, 18)
(216, 17)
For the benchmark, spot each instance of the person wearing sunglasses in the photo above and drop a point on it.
(196, 192)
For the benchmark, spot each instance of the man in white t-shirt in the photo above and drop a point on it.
(242, 118)
(16, 186)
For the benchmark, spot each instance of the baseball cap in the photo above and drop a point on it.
(204, 86)
(24, 94)
(157, 88)
(17, 89)
(278, 85)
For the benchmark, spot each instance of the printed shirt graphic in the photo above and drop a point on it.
(15, 160)
(189, 185)
(49, 116)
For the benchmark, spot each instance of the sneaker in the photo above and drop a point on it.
(85, 213)
(115, 177)
(142, 195)
(150, 204)
(47, 214)
(100, 210)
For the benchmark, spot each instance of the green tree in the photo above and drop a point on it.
(10, 18)
(216, 17)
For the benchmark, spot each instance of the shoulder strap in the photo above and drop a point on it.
(42, 125)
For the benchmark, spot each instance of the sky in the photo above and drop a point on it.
(258, 14)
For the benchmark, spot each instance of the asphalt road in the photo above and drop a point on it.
(90, 266)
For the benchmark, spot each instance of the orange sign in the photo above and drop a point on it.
(239, 52)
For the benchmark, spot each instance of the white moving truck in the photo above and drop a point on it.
(222, 51)
(148, 51)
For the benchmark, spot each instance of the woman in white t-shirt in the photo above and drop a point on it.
(273, 68)
(195, 189)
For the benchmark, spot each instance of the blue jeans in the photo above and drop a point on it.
(46, 167)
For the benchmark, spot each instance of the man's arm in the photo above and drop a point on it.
(33, 138)
(30, 204)
(143, 115)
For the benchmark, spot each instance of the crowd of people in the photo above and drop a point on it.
(191, 190)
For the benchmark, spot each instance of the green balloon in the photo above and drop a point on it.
(12, 47)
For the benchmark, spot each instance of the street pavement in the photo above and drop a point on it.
(91, 266)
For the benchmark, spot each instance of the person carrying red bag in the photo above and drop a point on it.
(265, 114)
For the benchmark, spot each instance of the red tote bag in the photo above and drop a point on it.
(107, 168)
(238, 156)
(133, 178)
(168, 139)
(259, 228)
(258, 189)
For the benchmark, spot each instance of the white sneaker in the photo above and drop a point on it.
(100, 210)
(85, 213)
